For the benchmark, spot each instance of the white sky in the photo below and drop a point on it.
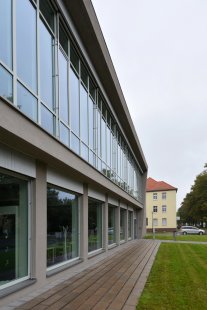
(159, 51)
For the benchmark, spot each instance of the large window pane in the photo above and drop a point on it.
(62, 226)
(6, 32)
(94, 224)
(63, 88)
(91, 123)
(103, 139)
(130, 222)
(84, 114)
(6, 84)
(13, 228)
(111, 225)
(75, 144)
(47, 12)
(122, 224)
(46, 65)
(108, 131)
(26, 43)
(74, 102)
(47, 120)
(64, 134)
(26, 102)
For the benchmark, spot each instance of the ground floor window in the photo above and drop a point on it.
(122, 224)
(111, 224)
(94, 224)
(13, 228)
(62, 226)
(130, 221)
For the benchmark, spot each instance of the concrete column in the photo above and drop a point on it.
(84, 223)
(39, 224)
(105, 224)
(117, 223)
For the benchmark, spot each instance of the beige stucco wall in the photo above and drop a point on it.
(170, 213)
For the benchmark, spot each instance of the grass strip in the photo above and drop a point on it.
(178, 279)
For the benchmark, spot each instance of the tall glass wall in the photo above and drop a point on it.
(94, 225)
(122, 224)
(46, 77)
(13, 229)
(62, 226)
(111, 224)
(130, 224)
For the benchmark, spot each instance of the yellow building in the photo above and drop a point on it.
(160, 206)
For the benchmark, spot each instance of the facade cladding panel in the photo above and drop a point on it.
(72, 171)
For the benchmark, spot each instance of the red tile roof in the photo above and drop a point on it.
(153, 185)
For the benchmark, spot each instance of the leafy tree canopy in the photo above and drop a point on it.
(193, 209)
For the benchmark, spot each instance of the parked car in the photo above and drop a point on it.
(191, 230)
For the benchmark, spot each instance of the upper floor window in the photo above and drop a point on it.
(164, 209)
(154, 208)
(154, 196)
(164, 195)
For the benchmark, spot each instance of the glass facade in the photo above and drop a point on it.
(13, 229)
(62, 226)
(111, 224)
(94, 224)
(51, 83)
(123, 224)
(130, 223)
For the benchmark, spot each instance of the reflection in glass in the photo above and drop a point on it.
(108, 131)
(6, 84)
(46, 65)
(94, 224)
(13, 228)
(62, 226)
(63, 39)
(103, 139)
(84, 114)
(122, 224)
(111, 225)
(26, 102)
(91, 123)
(64, 134)
(74, 102)
(47, 12)
(84, 151)
(75, 144)
(99, 132)
(130, 221)
(63, 88)
(6, 32)
(47, 121)
(26, 43)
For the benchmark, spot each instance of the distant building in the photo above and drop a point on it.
(160, 206)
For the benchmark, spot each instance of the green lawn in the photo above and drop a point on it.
(169, 236)
(178, 279)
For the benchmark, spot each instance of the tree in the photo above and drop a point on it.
(193, 209)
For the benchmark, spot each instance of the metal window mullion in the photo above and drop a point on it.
(38, 65)
(14, 58)
(68, 91)
(56, 79)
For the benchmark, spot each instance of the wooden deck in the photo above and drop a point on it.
(114, 283)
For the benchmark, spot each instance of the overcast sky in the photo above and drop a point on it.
(159, 51)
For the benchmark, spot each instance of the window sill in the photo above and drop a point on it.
(94, 253)
(16, 287)
(58, 269)
(111, 246)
